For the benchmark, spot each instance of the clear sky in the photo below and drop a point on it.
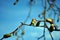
(11, 16)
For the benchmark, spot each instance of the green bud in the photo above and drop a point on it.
(7, 35)
(23, 32)
(33, 22)
(49, 20)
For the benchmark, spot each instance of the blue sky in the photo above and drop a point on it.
(11, 16)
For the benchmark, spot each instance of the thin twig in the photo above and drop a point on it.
(40, 37)
(24, 21)
(49, 33)
(21, 23)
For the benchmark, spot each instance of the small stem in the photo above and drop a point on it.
(49, 32)
(51, 35)
(45, 18)
(40, 37)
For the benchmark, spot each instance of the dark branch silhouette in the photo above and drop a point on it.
(53, 26)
